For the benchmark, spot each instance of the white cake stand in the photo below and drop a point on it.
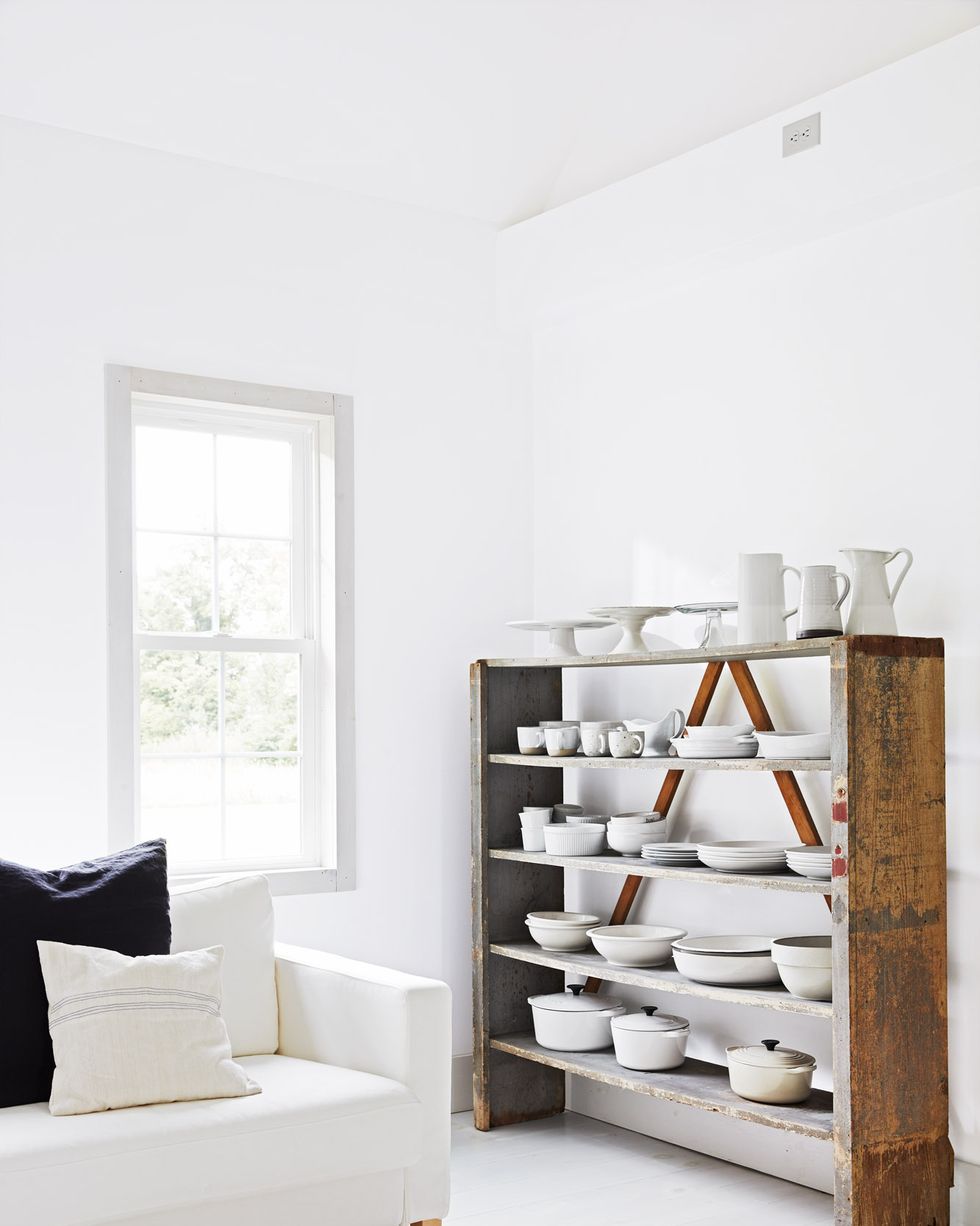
(713, 631)
(561, 631)
(632, 619)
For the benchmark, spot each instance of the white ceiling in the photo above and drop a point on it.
(494, 109)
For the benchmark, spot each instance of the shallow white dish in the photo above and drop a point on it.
(718, 732)
(559, 937)
(635, 944)
(743, 960)
(686, 748)
(561, 839)
(816, 862)
(586, 819)
(794, 744)
(637, 817)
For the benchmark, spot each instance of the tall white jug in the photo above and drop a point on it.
(762, 612)
(871, 610)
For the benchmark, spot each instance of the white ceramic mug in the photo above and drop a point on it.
(762, 611)
(595, 742)
(530, 740)
(626, 744)
(820, 602)
(562, 742)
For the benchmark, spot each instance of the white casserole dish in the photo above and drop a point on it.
(572, 1021)
(793, 744)
(650, 1041)
(767, 1073)
(561, 839)
(730, 960)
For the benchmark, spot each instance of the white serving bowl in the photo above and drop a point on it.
(805, 966)
(635, 944)
(532, 838)
(732, 960)
(558, 940)
(563, 919)
(628, 840)
(767, 1073)
(793, 744)
(561, 839)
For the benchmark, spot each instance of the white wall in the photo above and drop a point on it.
(732, 352)
(111, 253)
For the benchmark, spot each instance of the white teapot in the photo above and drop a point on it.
(657, 733)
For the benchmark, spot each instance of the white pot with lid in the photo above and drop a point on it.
(573, 1020)
(649, 1041)
(767, 1073)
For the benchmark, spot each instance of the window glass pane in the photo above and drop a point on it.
(174, 581)
(174, 479)
(262, 812)
(253, 582)
(253, 486)
(180, 799)
(261, 702)
(179, 701)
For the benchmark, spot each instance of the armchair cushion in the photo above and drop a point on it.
(237, 914)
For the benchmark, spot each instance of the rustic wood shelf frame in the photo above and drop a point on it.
(888, 1117)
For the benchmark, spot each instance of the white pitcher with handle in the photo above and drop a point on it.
(762, 612)
(872, 602)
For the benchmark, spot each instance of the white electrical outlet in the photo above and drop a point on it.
(803, 134)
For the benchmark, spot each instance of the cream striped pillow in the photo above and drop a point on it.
(130, 1031)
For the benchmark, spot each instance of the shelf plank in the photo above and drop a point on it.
(695, 1083)
(790, 650)
(659, 979)
(634, 865)
(662, 764)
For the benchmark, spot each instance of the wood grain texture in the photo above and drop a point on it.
(504, 1091)
(892, 1154)
(634, 866)
(694, 1083)
(660, 979)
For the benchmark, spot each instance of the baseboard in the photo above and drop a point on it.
(462, 1083)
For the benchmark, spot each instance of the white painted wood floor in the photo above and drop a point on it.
(571, 1170)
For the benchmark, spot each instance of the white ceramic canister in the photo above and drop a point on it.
(648, 1040)
(767, 1073)
(573, 1021)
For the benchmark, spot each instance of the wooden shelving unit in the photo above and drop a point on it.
(888, 1116)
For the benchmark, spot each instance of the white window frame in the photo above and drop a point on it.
(130, 391)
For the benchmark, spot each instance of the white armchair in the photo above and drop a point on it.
(351, 1127)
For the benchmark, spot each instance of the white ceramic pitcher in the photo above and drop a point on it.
(762, 612)
(657, 733)
(871, 609)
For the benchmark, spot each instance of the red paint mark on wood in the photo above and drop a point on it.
(838, 849)
(839, 866)
(838, 811)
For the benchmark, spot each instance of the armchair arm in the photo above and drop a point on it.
(337, 1011)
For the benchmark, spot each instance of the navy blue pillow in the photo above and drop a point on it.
(118, 902)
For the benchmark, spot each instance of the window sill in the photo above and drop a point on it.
(282, 881)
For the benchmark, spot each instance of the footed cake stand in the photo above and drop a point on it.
(561, 631)
(632, 619)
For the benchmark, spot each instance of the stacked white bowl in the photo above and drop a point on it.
(628, 832)
(533, 821)
(741, 960)
(560, 931)
(743, 856)
(671, 855)
(805, 965)
(717, 741)
(811, 861)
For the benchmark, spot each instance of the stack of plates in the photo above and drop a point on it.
(680, 855)
(810, 861)
(717, 741)
(743, 856)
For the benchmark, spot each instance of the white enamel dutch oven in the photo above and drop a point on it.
(650, 1041)
(573, 1021)
(767, 1073)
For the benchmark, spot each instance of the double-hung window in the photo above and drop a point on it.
(229, 572)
